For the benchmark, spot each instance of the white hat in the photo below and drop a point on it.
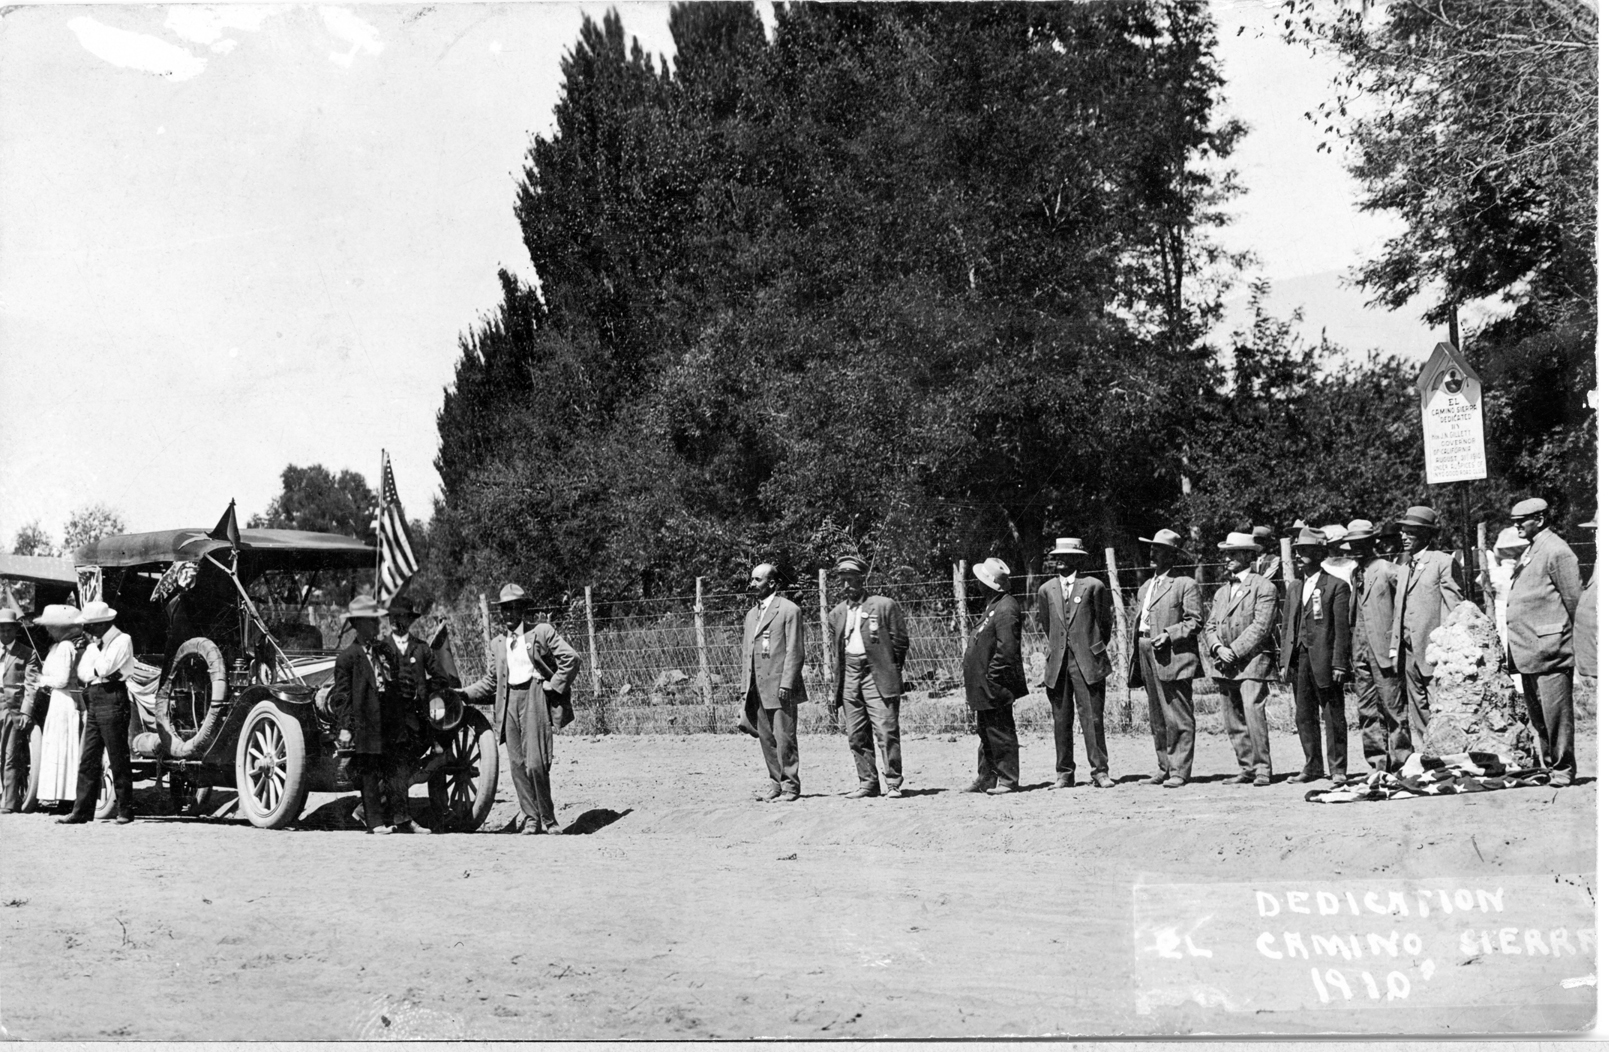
(993, 572)
(1068, 546)
(57, 615)
(96, 612)
(1510, 540)
(1239, 542)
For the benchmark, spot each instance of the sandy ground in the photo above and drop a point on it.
(692, 911)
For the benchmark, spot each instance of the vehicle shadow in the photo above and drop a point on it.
(589, 822)
(334, 815)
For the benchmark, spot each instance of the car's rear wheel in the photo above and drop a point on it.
(271, 769)
(463, 791)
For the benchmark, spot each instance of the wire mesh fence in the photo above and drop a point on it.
(674, 663)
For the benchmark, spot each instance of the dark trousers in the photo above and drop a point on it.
(1073, 697)
(13, 760)
(1550, 700)
(1172, 709)
(997, 747)
(530, 763)
(1245, 704)
(1382, 716)
(868, 716)
(383, 782)
(1315, 704)
(106, 716)
(779, 740)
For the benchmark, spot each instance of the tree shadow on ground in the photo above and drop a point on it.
(588, 822)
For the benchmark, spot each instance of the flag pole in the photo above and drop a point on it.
(378, 511)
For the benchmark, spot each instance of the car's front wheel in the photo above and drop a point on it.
(463, 790)
(271, 770)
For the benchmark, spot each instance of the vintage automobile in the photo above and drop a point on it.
(242, 698)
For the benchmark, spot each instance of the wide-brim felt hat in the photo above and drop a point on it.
(1068, 546)
(364, 606)
(1310, 538)
(57, 615)
(1420, 517)
(1164, 539)
(1361, 530)
(1239, 542)
(1263, 535)
(512, 593)
(96, 612)
(993, 572)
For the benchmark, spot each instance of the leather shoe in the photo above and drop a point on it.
(1260, 782)
(71, 820)
(786, 798)
(404, 827)
(123, 820)
(1064, 781)
(380, 831)
(1104, 780)
(767, 797)
(861, 793)
(1173, 782)
(978, 785)
(1302, 779)
(895, 794)
(1339, 781)
(1243, 778)
(1561, 779)
(1158, 778)
(1000, 790)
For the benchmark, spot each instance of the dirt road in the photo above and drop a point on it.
(691, 911)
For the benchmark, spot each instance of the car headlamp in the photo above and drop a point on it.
(444, 711)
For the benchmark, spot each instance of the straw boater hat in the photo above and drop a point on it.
(57, 615)
(1068, 546)
(1239, 542)
(1420, 517)
(851, 564)
(512, 593)
(1163, 539)
(1333, 534)
(993, 572)
(1528, 507)
(96, 612)
(364, 606)
(9, 616)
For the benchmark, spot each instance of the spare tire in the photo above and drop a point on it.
(190, 714)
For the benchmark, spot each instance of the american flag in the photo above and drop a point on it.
(397, 563)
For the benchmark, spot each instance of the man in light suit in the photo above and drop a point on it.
(1542, 603)
(1316, 655)
(1382, 708)
(1586, 621)
(1239, 654)
(1076, 612)
(869, 641)
(1427, 591)
(773, 681)
(1163, 657)
(529, 682)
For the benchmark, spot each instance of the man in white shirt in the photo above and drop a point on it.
(103, 669)
(773, 681)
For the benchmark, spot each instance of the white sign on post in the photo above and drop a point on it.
(1454, 423)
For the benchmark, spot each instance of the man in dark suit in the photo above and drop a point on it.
(1315, 655)
(773, 681)
(991, 672)
(529, 684)
(1267, 564)
(1427, 592)
(1239, 654)
(1076, 612)
(19, 678)
(1542, 604)
(365, 700)
(1163, 657)
(869, 641)
(1382, 707)
(419, 675)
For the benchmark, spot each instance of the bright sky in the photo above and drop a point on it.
(234, 238)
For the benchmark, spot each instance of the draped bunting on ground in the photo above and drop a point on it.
(1470, 772)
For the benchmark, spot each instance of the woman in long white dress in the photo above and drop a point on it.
(62, 739)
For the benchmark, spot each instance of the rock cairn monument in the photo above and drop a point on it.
(1473, 704)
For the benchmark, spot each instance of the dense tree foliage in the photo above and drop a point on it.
(313, 498)
(1477, 124)
(919, 279)
(89, 524)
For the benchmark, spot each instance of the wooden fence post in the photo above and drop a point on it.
(959, 582)
(1288, 561)
(1120, 636)
(703, 653)
(826, 649)
(1488, 600)
(600, 724)
(486, 630)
